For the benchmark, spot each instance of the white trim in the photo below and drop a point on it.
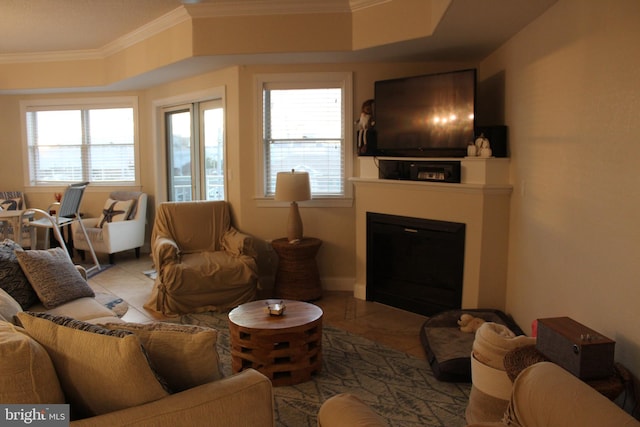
(157, 133)
(306, 80)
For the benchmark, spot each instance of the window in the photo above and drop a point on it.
(81, 140)
(303, 123)
(195, 151)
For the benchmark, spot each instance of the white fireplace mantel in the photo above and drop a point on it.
(481, 201)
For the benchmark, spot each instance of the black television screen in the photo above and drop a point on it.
(426, 116)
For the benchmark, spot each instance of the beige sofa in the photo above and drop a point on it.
(68, 348)
(543, 395)
(28, 377)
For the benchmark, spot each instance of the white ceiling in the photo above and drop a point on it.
(469, 30)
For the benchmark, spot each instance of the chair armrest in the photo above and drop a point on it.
(164, 250)
(238, 243)
(346, 410)
(244, 399)
(544, 394)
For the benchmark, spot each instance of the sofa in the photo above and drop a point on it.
(543, 395)
(66, 348)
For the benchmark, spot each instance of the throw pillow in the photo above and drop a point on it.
(10, 204)
(115, 210)
(9, 307)
(12, 278)
(53, 276)
(27, 375)
(184, 355)
(101, 371)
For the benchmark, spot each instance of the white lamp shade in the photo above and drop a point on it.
(292, 186)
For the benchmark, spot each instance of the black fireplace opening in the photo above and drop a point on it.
(415, 264)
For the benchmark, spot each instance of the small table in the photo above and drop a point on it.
(12, 218)
(297, 276)
(287, 348)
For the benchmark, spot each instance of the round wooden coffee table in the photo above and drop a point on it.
(287, 349)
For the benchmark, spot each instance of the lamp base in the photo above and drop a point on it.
(294, 224)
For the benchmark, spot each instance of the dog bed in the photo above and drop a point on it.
(448, 349)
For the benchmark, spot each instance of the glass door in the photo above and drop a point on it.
(195, 151)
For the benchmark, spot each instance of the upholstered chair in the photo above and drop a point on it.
(203, 263)
(120, 227)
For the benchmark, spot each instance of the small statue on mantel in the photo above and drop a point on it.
(364, 124)
(483, 147)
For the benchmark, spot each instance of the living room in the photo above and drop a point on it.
(565, 85)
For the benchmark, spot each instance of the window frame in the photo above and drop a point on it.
(343, 80)
(53, 104)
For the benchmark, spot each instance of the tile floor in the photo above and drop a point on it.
(390, 326)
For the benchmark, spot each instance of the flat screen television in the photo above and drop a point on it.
(425, 116)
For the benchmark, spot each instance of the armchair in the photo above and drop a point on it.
(202, 262)
(109, 235)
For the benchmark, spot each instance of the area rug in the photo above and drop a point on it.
(95, 271)
(113, 303)
(399, 387)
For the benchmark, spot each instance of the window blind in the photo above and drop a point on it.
(81, 144)
(303, 129)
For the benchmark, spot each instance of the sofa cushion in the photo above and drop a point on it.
(53, 276)
(12, 278)
(87, 309)
(26, 372)
(184, 355)
(9, 307)
(100, 370)
(115, 210)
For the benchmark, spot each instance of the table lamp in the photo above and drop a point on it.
(293, 187)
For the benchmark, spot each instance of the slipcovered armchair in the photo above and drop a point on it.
(120, 227)
(202, 262)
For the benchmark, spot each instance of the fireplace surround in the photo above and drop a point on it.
(481, 201)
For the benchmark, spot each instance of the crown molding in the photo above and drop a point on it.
(196, 10)
(165, 22)
(365, 4)
(266, 7)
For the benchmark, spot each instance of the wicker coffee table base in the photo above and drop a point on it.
(286, 356)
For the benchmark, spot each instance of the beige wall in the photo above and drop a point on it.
(572, 98)
(571, 93)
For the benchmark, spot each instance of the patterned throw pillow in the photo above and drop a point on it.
(12, 278)
(184, 355)
(115, 210)
(53, 276)
(101, 371)
(10, 204)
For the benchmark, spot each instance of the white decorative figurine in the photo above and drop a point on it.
(483, 147)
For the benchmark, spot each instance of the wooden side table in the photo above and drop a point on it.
(297, 276)
(287, 348)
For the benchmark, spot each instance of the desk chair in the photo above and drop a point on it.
(67, 212)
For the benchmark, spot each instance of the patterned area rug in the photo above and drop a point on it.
(399, 387)
(113, 303)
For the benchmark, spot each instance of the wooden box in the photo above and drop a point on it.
(584, 352)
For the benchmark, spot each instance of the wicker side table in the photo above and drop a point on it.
(297, 275)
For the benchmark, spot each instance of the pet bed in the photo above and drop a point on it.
(448, 349)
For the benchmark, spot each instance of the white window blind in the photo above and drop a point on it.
(303, 129)
(76, 143)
